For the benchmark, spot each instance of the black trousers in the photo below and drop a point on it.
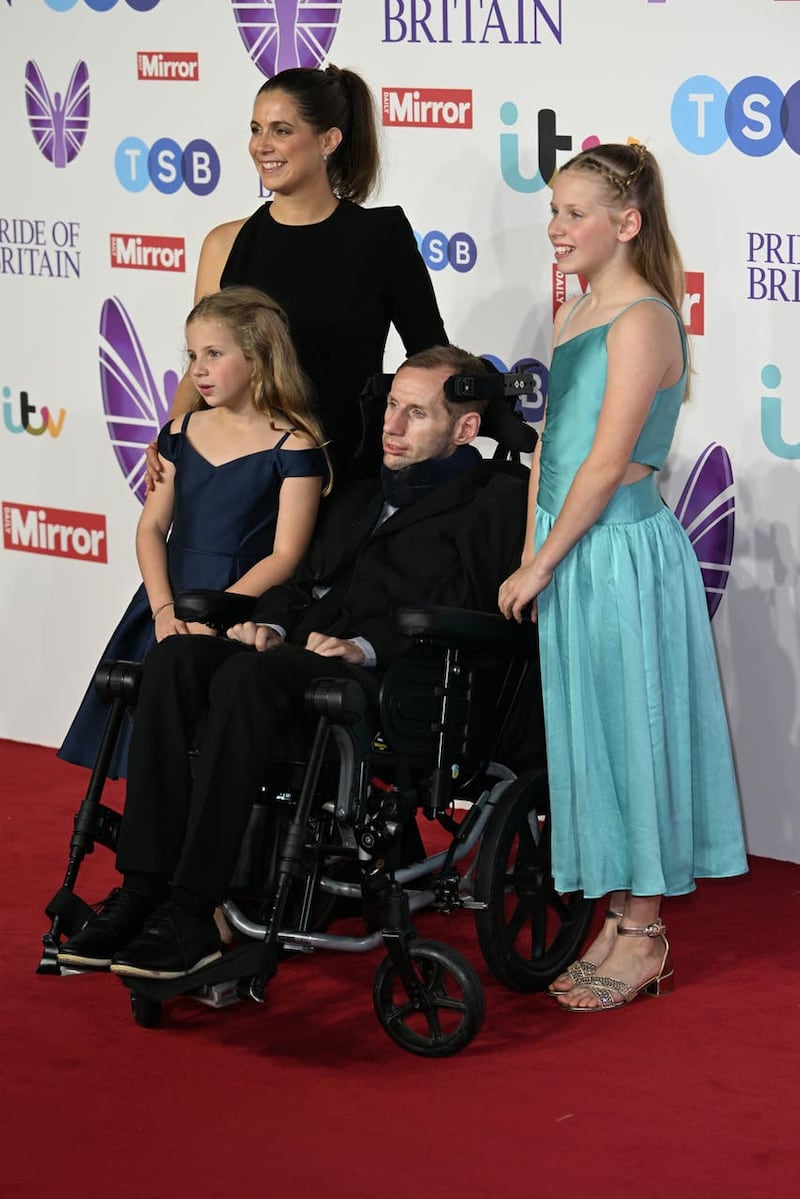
(189, 826)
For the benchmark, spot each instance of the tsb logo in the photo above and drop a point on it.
(756, 115)
(54, 531)
(139, 252)
(167, 166)
(101, 5)
(439, 250)
(432, 108)
(531, 405)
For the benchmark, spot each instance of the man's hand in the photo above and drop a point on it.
(259, 635)
(335, 647)
(152, 466)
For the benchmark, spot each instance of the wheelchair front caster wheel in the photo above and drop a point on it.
(146, 1012)
(445, 1009)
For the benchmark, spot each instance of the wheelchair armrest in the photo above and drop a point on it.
(118, 680)
(460, 627)
(220, 610)
(343, 701)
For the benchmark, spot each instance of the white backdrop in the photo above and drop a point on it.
(708, 85)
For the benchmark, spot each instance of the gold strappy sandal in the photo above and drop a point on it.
(582, 970)
(604, 988)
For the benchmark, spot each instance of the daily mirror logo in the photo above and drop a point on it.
(141, 252)
(693, 311)
(286, 33)
(168, 65)
(59, 125)
(58, 532)
(427, 108)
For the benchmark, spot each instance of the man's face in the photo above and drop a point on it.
(417, 426)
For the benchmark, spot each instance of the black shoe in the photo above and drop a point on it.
(174, 941)
(117, 919)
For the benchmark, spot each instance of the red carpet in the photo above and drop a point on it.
(693, 1095)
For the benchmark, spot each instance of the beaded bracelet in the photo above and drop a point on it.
(161, 609)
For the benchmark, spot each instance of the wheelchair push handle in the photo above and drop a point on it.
(219, 610)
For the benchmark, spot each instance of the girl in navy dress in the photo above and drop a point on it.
(241, 480)
(642, 785)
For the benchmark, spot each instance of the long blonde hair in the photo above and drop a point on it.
(260, 328)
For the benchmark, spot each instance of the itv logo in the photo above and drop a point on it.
(48, 423)
(772, 417)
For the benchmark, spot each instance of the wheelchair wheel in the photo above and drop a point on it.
(528, 933)
(448, 1010)
(146, 1012)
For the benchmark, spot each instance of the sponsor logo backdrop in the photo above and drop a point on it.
(124, 141)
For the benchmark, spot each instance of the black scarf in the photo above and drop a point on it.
(410, 483)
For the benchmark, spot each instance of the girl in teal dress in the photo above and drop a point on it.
(240, 487)
(643, 791)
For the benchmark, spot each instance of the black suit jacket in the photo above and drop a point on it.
(452, 547)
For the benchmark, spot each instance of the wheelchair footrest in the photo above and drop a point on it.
(241, 962)
(220, 995)
(72, 911)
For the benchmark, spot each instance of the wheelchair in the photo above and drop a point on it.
(331, 831)
(454, 742)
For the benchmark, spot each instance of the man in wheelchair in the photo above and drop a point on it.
(441, 525)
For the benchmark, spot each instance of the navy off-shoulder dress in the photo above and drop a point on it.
(223, 524)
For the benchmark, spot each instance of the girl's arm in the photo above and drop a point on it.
(151, 551)
(641, 356)
(297, 514)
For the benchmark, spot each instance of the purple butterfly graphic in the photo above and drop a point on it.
(286, 33)
(706, 511)
(59, 127)
(135, 408)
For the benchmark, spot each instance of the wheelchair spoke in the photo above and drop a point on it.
(527, 932)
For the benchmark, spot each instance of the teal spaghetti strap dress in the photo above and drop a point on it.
(642, 783)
